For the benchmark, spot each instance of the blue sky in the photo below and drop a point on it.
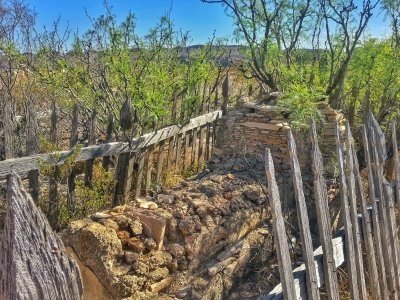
(200, 19)
(189, 15)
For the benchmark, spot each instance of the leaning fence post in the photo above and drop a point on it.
(366, 219)
(73, 143)
(307, 247)
(109, 131)
(92, 141)
(8, 126)
(324, 220)
(375, 218)
(396, 163)
(225, 94)
(348, 226)
(378, 150)
(53, 180)
(32, 147)
(281, 245)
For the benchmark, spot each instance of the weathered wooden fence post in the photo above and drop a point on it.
(303, 221)
(54, 177)
(352, 198)
(149, 170)
(225, 94)
(348, 226)
(73, 143)
(8, 126)
(33, 264)
(91, 141)
(378, 156)
(139, 174)
(281, 244)
(109, 131)
(32, 147)
(324, 220)
(396, 163)
(160, 163)
(375, 218)
(366, 219)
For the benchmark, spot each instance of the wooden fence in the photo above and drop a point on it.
(368, 241)
(175, 147)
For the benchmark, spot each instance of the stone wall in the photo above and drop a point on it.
(252, 128)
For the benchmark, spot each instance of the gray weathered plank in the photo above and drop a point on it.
(178, 153)
(149, 169)
(32, 146)
(375, 218)
(303, 221)
(123, 176)
(281, 244)
(378, 158)
(348, 226)
(170, 157)
(109, 131)
(300, 272)
(33, 264)
(139, 174)
(73, 143)
(91, 141)
(366, 220)
(160, 163)
(25, 164)
(396, 163)
(187, 152)
(322, 210)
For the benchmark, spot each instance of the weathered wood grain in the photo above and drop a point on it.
(300, 272)
(281, 244)
(109, 131)
(303, 221)
(201, 147)
(352, 198)
(32, 146)
(139, 174)
(186, 154)
(33, 264)
(351, 260)
(8, 127)
(178, 153)
(322, 210)
(123, 176)
(160, 163)
(73, 173)
(170, 157)
(149, 169)
(366, 219)
(375, 218)
(91, 141)
(396, 163)
(25, 164)
(378, 159)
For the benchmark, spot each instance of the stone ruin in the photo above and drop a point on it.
(194, 241)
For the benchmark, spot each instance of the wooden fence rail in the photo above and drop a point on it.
(368, 228)
(165, 144)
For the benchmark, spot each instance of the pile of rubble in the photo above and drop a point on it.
(193, 241)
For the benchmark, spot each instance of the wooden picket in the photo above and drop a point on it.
(377, 233)
(322, 210)
(307, 247)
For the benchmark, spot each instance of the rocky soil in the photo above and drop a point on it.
(200, 239)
